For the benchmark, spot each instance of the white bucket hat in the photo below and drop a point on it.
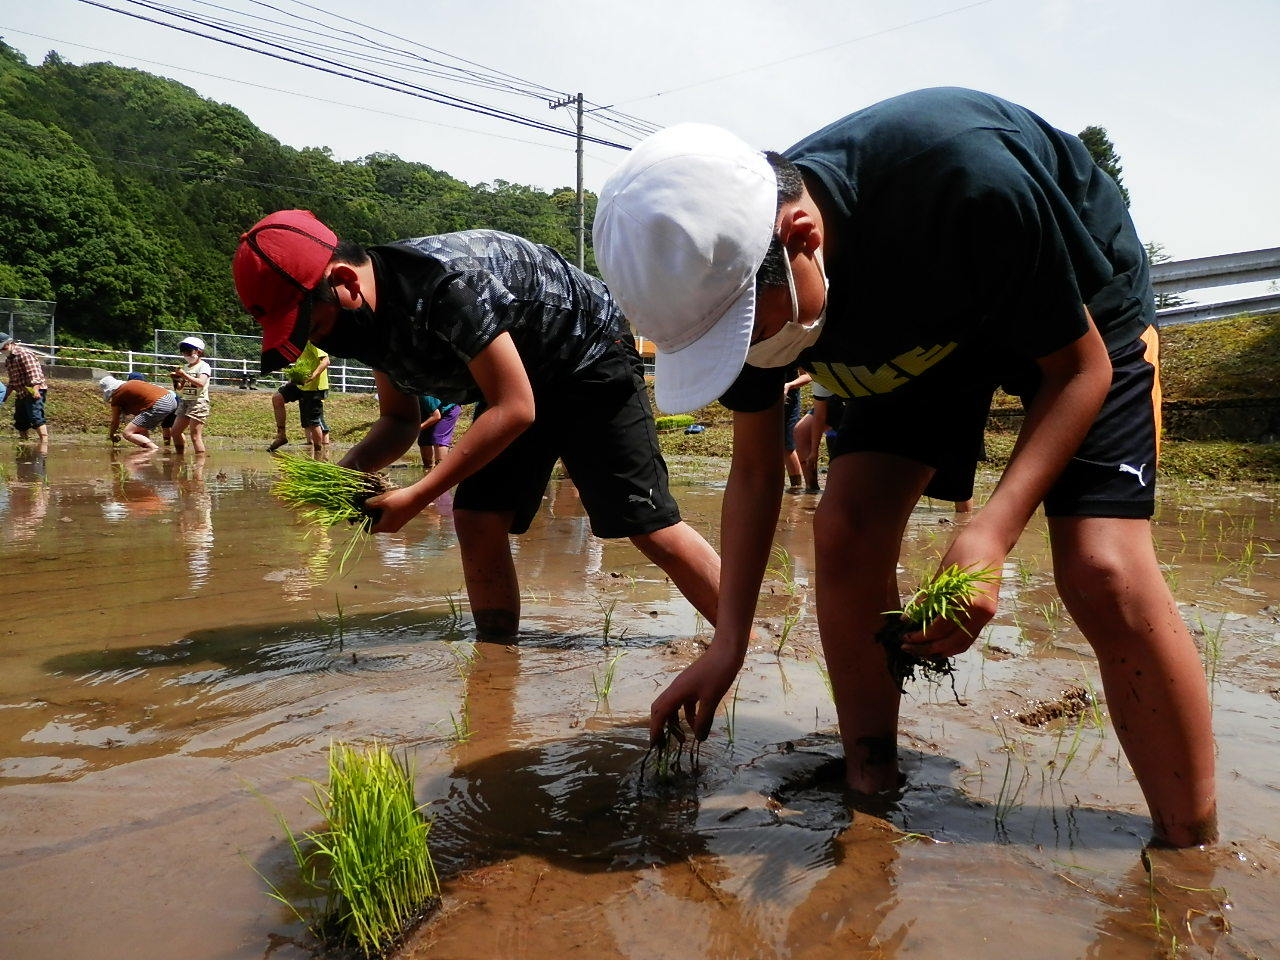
(681, 227)
(192, 342)
(109, 384)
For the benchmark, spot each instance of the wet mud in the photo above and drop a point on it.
(178, 655)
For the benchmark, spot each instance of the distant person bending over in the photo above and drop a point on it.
(146, 404)
(482, 316)
(28, 387)
(310, 371)
(1029, 274)
(192, 383)
(436, 433)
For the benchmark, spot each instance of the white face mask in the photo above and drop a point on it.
(794, 337)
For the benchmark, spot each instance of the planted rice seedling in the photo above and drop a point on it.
(668, 752)
(604, 685)
(731, 714)
(944, 597)
(368, 871)
(789, 621)
(782, 568)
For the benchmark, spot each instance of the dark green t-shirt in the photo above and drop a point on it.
(964, 221)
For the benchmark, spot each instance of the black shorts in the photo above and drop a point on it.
(1111, 475)
(310, 404)
(600, 424)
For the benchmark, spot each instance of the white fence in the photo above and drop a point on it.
(227, 372)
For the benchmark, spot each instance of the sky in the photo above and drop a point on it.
(1188, 91)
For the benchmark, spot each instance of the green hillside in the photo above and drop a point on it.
(122, 196)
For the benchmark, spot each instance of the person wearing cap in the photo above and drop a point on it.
(912, 256)
(308, 386)
(489, 317)
(28, 386)
(191, 382)
(146, 405)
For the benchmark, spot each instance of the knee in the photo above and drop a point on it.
(835, 531)
(1096, 579)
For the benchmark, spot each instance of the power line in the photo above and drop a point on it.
(334, 68)
(808, 53)
(293, 93)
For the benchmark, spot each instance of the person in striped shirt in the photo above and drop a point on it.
(27, 384)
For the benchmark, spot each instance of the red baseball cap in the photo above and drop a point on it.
(278, 263)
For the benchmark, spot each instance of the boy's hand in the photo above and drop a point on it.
(972, 550)
(698, 690)
(398, 507)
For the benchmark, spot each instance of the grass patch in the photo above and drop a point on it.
(368, 873)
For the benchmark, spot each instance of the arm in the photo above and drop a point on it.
(509, 411)
(1074, 383)
(747, 522)
(431, 421)
(200, 381)
(113, 430)
(798, 382)
(321, 367)
(391, 434)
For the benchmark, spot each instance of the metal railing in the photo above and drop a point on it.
(229, 372)
(1225, 269)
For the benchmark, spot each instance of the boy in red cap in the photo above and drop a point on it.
(489, 317)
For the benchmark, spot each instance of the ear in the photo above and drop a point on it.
(798, 230)
(346, 283)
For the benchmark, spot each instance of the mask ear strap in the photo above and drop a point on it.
(791, 285)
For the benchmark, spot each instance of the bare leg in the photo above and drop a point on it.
(804, 442)
(138, 437)
(179, 427)
(858, 532)
(427, 459)
(689, 561)
(964, 506)
(492, 588)
(316, 436)
(794, 475)
(197, 436)
(42, 433)
(1110, 580)
(277, 407)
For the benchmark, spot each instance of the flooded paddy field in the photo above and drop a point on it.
(176, 653)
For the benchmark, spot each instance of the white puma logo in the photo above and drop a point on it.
(632, 498)
(1125, 468)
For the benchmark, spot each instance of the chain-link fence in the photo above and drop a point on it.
(30, 321)
(235, 358)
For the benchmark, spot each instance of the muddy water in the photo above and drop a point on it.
(176, 653)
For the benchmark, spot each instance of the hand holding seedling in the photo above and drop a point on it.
(394, 509)
(698, 691)
(958, 602)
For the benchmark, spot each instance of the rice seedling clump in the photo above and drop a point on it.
(325, 493)
(944, 597)
(369, 870)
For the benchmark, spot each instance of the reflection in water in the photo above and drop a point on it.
(28, 493)
(195, 520)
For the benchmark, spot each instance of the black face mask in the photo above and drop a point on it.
(355, 334)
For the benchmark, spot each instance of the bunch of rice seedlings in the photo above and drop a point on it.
(326, 493)
(369, 868)
(944, 597)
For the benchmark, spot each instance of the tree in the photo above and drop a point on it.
(1104, 155)
(1156, 254)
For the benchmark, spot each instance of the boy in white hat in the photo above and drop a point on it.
(191, 381)
(912, 256)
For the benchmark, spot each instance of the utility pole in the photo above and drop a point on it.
(580, 230)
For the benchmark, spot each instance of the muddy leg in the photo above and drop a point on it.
(857, 533)
(689, 561)
(1110, 580)
(490, 572)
